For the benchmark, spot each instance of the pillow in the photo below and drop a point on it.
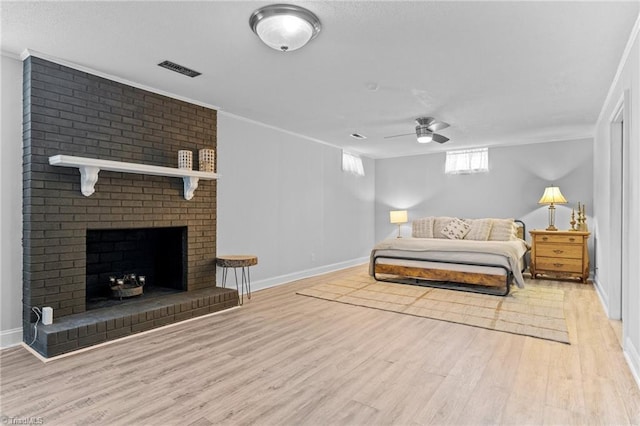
(480, 229)
(503, 230)
(439, 223)
(456, 229)
(422, 228)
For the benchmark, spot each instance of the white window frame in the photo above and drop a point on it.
(352, 163)
(467, 161)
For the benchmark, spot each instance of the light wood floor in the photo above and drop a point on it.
(285, 359)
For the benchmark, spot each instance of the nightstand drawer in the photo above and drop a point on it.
(560, 239)
(559, 264)
(556, 250)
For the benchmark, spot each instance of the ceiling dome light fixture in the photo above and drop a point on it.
(424, 134)
(284, 27)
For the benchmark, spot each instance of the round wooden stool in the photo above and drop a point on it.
(235, 261)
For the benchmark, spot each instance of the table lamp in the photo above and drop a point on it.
(552, 196)
(399, 217)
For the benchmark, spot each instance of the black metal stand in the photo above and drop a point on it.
(245, 283)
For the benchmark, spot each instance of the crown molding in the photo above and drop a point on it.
(10, 55)
(281, 130)
(623, 61)
(28, 52)
(503, 144)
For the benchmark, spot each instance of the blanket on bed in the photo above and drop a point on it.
(503, 252)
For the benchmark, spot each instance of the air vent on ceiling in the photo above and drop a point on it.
(179, 69)
(358, 136)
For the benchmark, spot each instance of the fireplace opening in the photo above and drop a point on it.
(124, 265)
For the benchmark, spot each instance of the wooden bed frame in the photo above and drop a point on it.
(446, 278)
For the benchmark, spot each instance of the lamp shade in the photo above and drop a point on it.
(284, 27)
(552, 195)
(398, 216)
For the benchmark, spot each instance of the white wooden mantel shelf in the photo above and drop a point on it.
(90, 167)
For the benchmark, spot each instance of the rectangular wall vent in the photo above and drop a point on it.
(179, 68)
(358, 136)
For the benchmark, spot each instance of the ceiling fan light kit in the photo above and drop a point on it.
(423, 134)
(425, 130)
(285, 27)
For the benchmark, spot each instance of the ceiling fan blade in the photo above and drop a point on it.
(395, 136)
(439, 138)
(437, 125)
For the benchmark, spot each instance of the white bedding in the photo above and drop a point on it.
(500, 253)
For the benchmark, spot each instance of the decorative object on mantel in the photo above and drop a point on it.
(206, 158)
(129, 285)
(552, 196)
(90, 167)
(185, 159)
(582, 218)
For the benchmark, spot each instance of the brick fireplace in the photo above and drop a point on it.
(71, 112)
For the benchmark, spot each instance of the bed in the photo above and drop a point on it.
(486, 262)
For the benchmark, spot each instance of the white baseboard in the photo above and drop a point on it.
(9, 338)
(287, 278)
(630, 352)
(632, 356)
(604, 298)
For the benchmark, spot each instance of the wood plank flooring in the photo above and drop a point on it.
(285, 359)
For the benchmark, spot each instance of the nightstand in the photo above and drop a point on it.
(563, 254)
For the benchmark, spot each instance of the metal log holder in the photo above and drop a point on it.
(130, 285)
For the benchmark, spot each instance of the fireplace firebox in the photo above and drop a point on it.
(157, 254)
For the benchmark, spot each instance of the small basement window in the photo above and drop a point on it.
(467, 161)
(352, 163)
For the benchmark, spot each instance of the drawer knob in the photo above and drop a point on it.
(545, 238)
(558, 251)
(572, 239)
(557, 265)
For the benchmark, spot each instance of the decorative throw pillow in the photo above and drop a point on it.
(456, 229)
(480, 229)
(439, 223)
(422, 228)
(503, 230)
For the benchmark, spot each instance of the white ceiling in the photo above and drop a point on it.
(498, 72)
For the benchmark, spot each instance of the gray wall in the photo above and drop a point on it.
(11, 202)
(515, 182)
(286, 200)
(618, 240)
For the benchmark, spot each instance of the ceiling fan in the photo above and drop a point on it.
(425, 130)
